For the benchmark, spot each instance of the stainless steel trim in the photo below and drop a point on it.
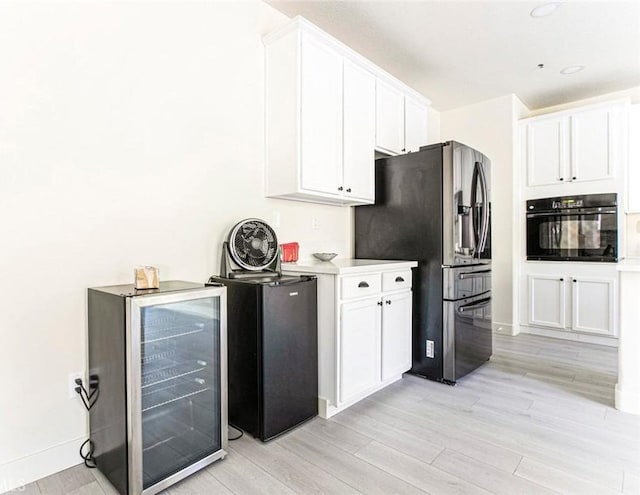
(224, 420)
(478, 274)
(134, 420)
(448, 199)
(129, 391)
(134, 423)
(448, 341)
(470, 307)
(188, 471)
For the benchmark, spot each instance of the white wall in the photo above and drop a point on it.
(130, 133)
(490, 127)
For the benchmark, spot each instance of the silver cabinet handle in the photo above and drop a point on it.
(363, 285)
(399, 279)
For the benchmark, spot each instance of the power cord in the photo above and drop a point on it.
(237, 437)
(89, 400)
(89, 460)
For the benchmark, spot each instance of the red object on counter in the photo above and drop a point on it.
(290, 252)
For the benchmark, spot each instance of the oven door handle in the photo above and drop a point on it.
(479, 305)
(478, 274)
(565, 213)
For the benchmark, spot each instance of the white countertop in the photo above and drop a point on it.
(346, 265)
(629, 265)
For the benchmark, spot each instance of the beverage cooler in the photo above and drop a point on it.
(158, 359)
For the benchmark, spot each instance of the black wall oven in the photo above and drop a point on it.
(573, 228)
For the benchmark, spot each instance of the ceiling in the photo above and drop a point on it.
(458, 53)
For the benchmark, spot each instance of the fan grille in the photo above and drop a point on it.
(253, 244)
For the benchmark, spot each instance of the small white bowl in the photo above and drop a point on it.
(325, 256)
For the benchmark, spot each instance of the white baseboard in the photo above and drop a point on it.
(506, 328)
(576, 337)
(627, 400)
(19, 472)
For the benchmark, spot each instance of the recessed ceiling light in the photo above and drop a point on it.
(572, 69)
(545, 10)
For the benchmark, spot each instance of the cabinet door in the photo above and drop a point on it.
(396, 334)
(320, 118)
(593, 305)
(593, 144)
(547, 301)
(633, 188)
(359, 348)
(546, 152)
(415, 125)
(389, 118)
(359, 132)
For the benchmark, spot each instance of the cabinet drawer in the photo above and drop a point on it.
(360, 285)
(396, 280)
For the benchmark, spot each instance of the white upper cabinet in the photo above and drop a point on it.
(415, 125)
(389, 118)
(359, 132)
(545, 153)
(327, 110)
(633, 183)
(321, 118)
(593, 144)
(568, 148)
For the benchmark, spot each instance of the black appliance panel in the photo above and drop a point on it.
(272, 353)
(576, 228)
(289, 356)
(471, 329)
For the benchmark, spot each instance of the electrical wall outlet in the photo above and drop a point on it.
(73, 384)
(430, 350)
(315, 223)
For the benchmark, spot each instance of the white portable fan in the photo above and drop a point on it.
(251, 249)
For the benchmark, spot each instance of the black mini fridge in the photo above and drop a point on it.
(272, 353)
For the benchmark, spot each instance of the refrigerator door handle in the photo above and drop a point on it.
(485, 209)
(474, 212)
(471, 307)
(479, 274)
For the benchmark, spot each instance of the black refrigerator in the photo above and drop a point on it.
(434, 206)
(272, 352)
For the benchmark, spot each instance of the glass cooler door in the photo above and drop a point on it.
(176, 383)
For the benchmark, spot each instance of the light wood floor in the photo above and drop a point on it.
(537, 418)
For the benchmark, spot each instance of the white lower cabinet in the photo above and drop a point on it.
(396, 334)
(573, 302)
(593, 305)
(547, 301)
(359, 347)
(364, 327)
